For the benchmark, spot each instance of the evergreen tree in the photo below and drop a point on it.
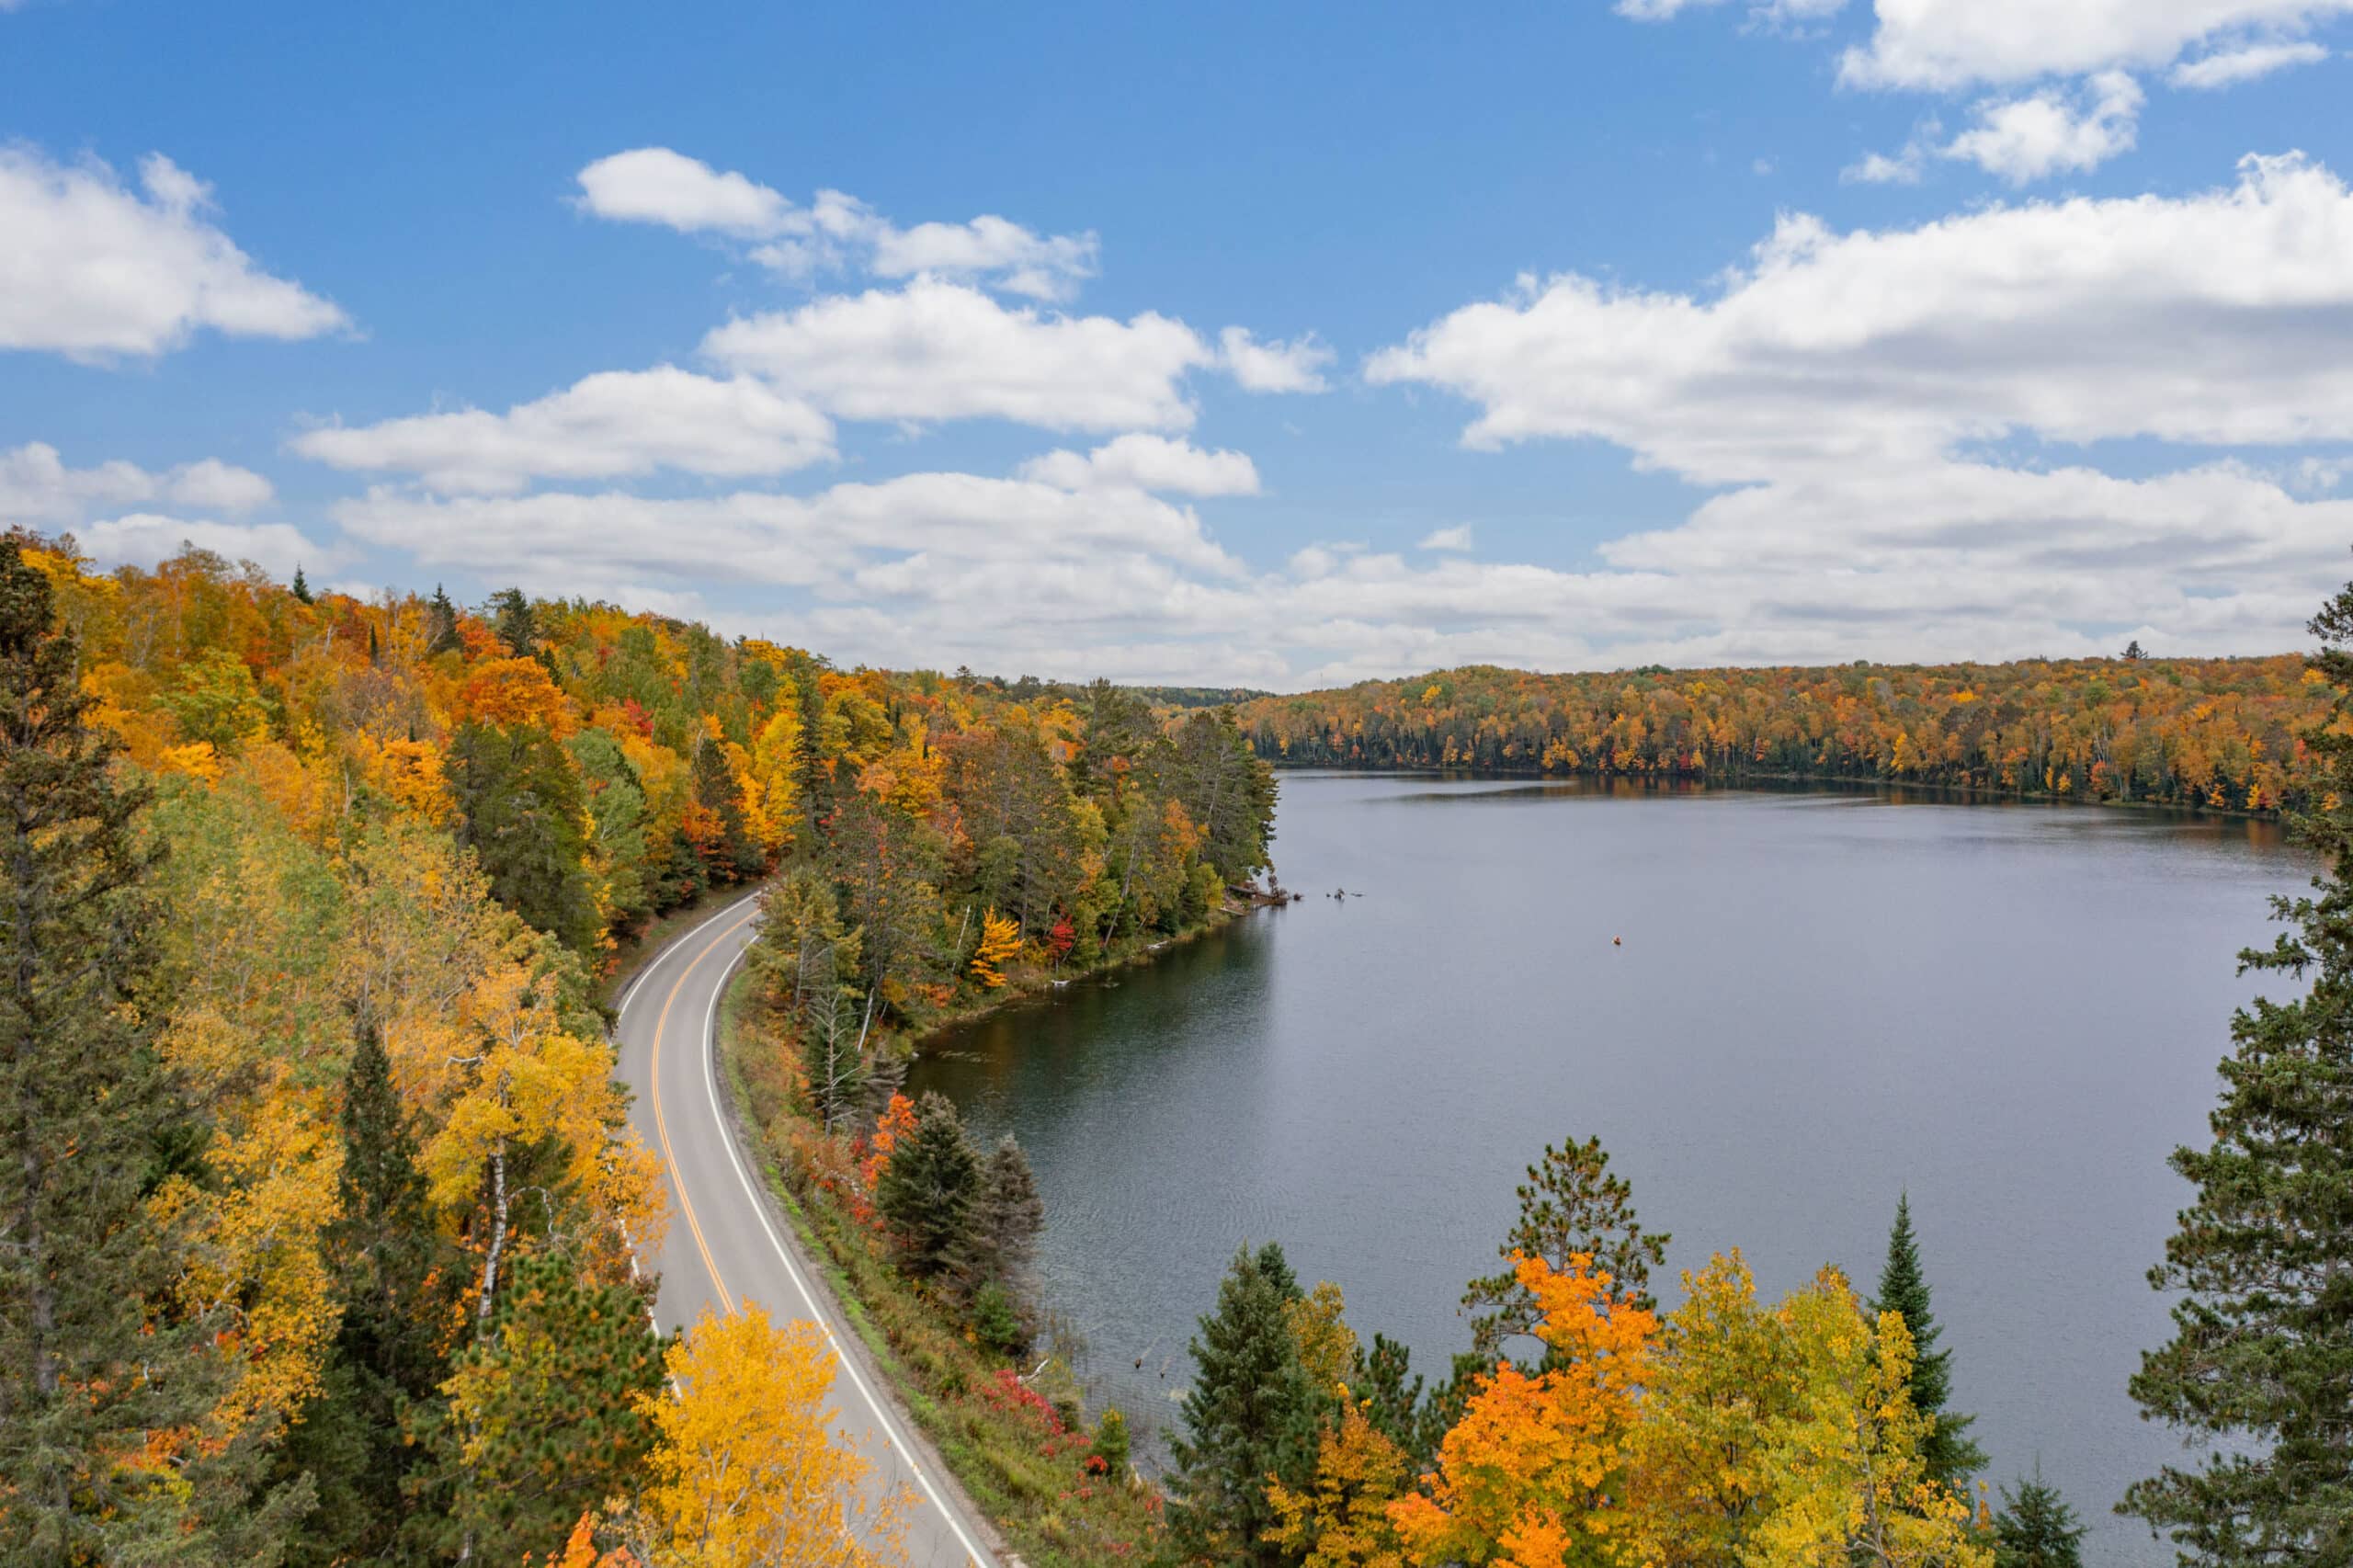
(1569, 1204)
(1001, 1234)
(397, 1277)
(522, 814)
(715, 790)
(1253, 1411)
(1397, 1405)
(1952, 1458)
(2034, 1528)
(107, 1450)
(543, 1421)
(514, 621)
(927, 1189)
(2261, 1360)
(440, 623)
(300, 589)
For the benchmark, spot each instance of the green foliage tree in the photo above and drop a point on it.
(216, 701)
(2261, 1360)
(1952, 1458)
(1569, 1204)
(1253, 1412)
(299, 587)
(542, 1423)
(2034, 1528)
(927, 1192)
(1394, 1401)
(521, 813)
(107, 1386)
(440, 623)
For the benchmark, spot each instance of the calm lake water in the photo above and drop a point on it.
(2014, 1011)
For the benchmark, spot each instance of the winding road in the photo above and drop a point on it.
(727, 1247)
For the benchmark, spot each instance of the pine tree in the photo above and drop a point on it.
(106, 1387)
(1253, 1411)
(2261, 1361)
(1395, 1404)
(2034, 1528)
(543, 1421)
(1569, 1204)
(300, 589)
(927, 1190)
(1953, 1457)
(716, 792)
(1001, 1236)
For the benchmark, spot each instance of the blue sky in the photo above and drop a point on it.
(2060, 368)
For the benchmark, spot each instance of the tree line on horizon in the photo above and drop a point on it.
(2220, 734)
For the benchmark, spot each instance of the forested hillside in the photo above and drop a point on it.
(2216, 733)
(311, 899)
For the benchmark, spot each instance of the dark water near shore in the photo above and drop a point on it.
(2013, 1011)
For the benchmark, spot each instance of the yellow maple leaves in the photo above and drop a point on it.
(1000, 943)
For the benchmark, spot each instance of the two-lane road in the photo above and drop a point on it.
(724, 1248)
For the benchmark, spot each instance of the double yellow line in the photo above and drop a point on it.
(662, 1126)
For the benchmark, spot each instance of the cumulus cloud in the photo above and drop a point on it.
(2225, 317)
(834, 231)
(2024, 139)
(1883, 168)
(94, 269)
(1274, 365)
(613, 425)
(142, 538)
(1938, 45)
(38, 488)
(2229, 67)
(1456, 538)
(941, 350)
(1139, 461)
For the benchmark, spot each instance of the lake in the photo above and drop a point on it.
(1821, 999)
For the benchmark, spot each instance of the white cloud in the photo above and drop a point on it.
(613, 425)
(1457, 537)
(1275, 366)
(1939, 44)
(142, 538)
(1139, 461)
(2229, 67)
(2225, 317)
(655, 185)
(36, 486)
(1881, 168)
(834, 231)
(940, 350)
(93, 269)
(2026, 138)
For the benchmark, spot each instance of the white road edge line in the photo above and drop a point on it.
(759, 1209)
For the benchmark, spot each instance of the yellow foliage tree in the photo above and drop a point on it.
(746, 1471)
(1343, 1522)
(1328, 1345)
(1000, 940)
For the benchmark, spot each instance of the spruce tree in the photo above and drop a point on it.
(514, 621)
(523, 815)
(97, 1361)
(2034, 1528)
(1001, 1236)
(927, 1189)
(397, 1277)
(300, 589)
(1253, 1411)
(1952, 1458)
(2260, 1364)
(440, 623)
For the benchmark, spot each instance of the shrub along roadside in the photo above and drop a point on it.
(1018, 1448)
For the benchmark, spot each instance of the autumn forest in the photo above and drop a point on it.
(323, 1245)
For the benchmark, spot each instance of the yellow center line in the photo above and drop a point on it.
(662, 1127)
